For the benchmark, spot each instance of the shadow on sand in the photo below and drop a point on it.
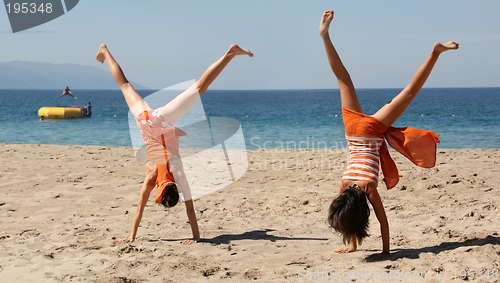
(446, 246)
(250, 235)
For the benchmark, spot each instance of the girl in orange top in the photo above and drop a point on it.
(349, 212)
(164, 166)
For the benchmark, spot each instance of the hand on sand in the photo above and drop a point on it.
(129, 239)
(326, 19)
(190, 241)
(345, 250)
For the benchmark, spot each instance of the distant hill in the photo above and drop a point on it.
(38, 75)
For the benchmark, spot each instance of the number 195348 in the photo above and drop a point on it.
(29, 8)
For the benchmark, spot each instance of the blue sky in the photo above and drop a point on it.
(161, 43)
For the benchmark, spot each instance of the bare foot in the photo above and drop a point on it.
(450, 45)
(236, 50)
(326, 19)
(129, 239)
(190, 241)
(345, 250)
(100, 54)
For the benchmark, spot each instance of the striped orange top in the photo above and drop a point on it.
(365, 135)
(364, 159)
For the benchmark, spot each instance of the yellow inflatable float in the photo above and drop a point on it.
(56, 112)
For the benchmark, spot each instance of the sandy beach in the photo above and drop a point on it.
(62, 207)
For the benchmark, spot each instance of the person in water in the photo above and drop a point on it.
(66, 91)
(349, 212)
(164, 166)
(87, 111)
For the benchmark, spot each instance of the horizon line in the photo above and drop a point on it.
(268, 89)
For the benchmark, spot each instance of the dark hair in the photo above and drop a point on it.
(349, 214)
(171, 196)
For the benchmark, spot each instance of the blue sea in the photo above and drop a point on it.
(463, 117)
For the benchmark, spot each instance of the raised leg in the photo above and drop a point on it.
(134, 101)
(176, 108)
(347, 91)
(390, 112)
(214, 70)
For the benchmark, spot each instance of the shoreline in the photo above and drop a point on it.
(248, 150)
(62, 206)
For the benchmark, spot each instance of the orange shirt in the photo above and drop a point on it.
(419, 146)
(364, 159)
(164, 177)
(161, 144)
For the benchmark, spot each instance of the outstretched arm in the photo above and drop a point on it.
(193, 222)
(147, 187)
(378, 207)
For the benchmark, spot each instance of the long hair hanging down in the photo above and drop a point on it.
(171, 195)
(349, 214)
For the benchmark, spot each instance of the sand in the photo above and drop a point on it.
(62, 207)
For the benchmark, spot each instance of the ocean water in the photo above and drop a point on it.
(464, 117)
